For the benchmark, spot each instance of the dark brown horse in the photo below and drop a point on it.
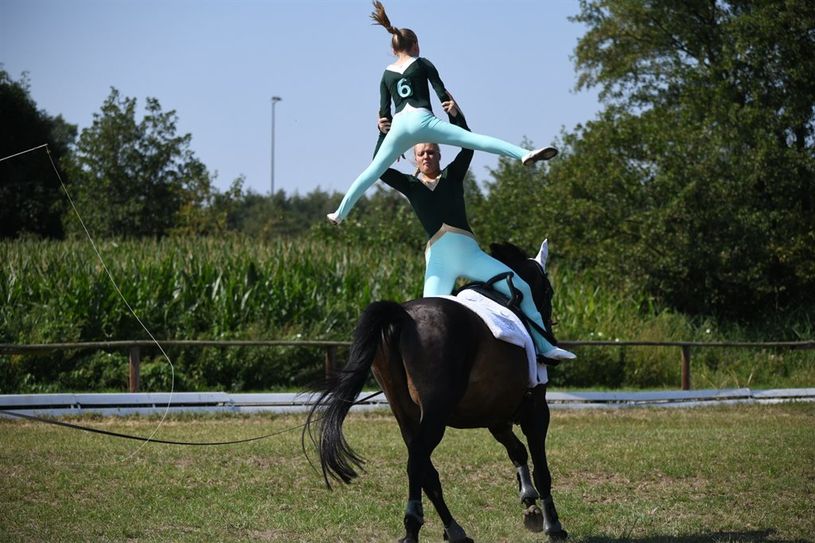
(440, 366)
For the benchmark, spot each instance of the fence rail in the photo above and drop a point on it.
(152, 403)
(134, 349)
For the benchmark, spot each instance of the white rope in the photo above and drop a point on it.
(24, 152)
(121, 295)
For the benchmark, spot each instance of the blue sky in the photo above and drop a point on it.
(218, 63)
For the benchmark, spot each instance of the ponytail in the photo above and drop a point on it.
(402, 39)
(381, 18)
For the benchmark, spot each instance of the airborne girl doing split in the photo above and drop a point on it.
(406, 83)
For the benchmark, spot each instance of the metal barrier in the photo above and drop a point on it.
(154, 403)
(134, 349)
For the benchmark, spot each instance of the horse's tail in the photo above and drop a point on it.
(380, 323)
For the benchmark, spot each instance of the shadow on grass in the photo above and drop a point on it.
(758, 536)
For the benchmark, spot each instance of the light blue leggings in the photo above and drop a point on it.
(455, 255)
(413, 126)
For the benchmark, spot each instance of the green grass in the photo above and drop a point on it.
(712, 474)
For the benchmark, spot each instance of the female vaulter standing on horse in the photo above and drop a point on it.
(452, 250)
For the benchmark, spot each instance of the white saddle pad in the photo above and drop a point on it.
(504, 325)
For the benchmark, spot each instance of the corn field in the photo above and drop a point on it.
(236, 288)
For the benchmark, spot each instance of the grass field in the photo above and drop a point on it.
(718, 474)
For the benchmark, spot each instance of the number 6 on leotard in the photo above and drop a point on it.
(403, 87)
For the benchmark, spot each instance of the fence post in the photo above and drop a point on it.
(330, 360)
(685, 367)
(134, 363)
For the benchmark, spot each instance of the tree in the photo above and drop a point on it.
(512, 209)
(137, 178)
(30, 192)
(383, 219)
(697, 179)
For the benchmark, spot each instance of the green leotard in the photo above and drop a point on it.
(444, 204)
(410, 87)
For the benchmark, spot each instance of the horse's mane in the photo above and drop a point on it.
(507, 253)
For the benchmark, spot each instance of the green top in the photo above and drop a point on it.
(445, 203)
(410, 87)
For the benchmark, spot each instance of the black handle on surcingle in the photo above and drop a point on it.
(515, 301)
(515, 295)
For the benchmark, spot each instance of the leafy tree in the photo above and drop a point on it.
(512, 209)
(204, 210)
(138, 178)
(383, 219)
(267, 217)
(697, 179)
(296, 214)
(31, 196)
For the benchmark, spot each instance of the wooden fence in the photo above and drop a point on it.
(330, 348)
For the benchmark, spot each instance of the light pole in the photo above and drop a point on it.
(275, 100)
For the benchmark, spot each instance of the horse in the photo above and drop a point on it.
(439, 365)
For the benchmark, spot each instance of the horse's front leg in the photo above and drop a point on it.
(533, 517)
(535, 425)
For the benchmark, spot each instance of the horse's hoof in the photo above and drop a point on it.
(455, 534)
(557, 537)
(533, 519)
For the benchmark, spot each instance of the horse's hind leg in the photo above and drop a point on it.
(423, 475)
(417, 464)
(432, 488)
(535, 424)
(533, 518)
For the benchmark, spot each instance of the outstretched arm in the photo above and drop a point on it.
(435, 81)
(458, 168)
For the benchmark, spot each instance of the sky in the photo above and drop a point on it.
(217, 64)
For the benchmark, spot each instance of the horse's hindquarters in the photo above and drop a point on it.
(498, 381)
